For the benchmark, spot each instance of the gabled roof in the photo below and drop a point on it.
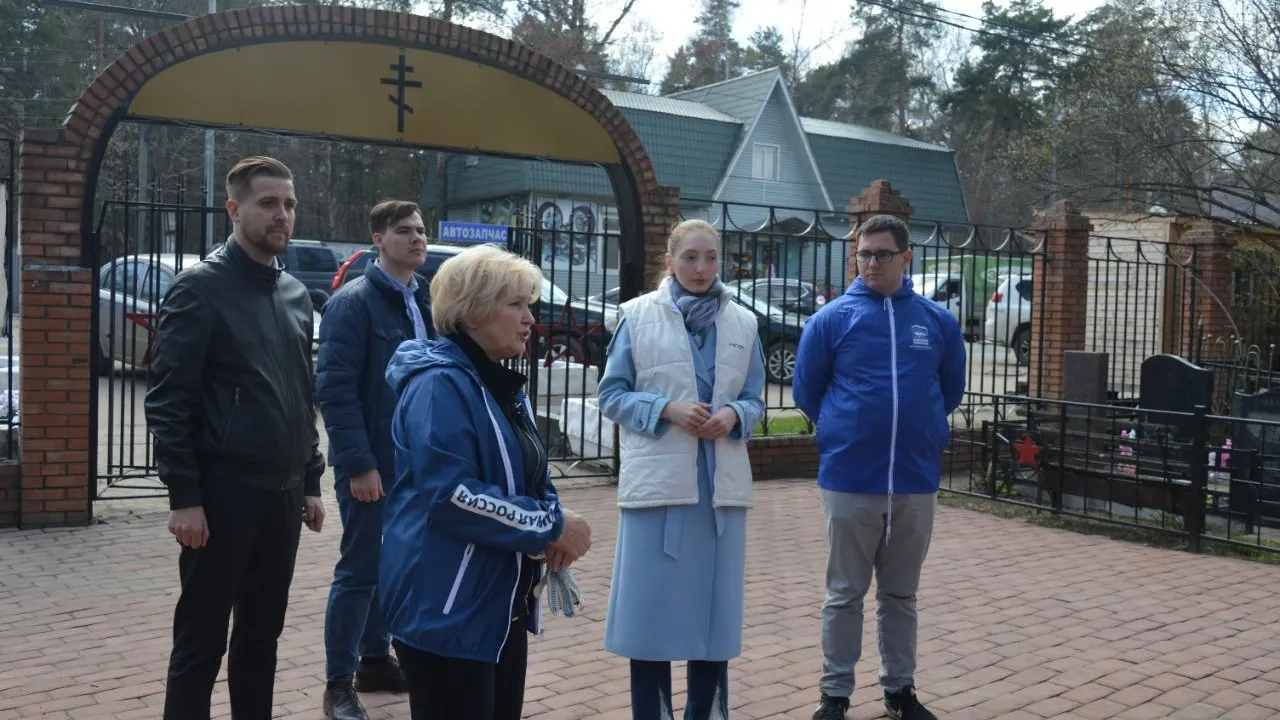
(828, 128)
(690, 151)
(1230, 206)
(740, 97)
(735, 96)
(694, 137)
(666, 105)
(925, 176)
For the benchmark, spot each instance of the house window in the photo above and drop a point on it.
(764, 162)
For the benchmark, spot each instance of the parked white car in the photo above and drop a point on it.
(130, 289)
(1008, 316)
(946, 290)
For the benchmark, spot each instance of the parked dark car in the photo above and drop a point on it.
(313, 263)
(567, 329)
(779, 336)
(779, 329)
(793, 296)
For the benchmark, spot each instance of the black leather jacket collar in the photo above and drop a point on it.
(240, 259)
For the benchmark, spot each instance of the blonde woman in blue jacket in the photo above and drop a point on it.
(683, 382)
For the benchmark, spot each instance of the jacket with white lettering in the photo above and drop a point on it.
(457, 525)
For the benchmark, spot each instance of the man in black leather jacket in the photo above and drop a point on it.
(229, 403)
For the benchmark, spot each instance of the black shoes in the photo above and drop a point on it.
(341, 703)
(372, 675)
(903, 705)
(380, 675)
(831, 708)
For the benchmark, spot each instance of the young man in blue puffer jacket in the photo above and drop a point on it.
(880, 370)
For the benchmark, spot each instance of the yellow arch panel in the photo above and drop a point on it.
(378, 93)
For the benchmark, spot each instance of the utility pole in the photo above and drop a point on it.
(208, 171)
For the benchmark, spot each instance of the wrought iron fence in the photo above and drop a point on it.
(1192, 475)
(138, 249)
(1243, 350)
(785, 263)
(1139, 301)
(10, 415)
(576, 318)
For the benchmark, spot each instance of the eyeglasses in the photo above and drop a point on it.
(881, 256)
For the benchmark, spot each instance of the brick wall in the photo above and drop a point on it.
(776, 457)
(56, 328)
(879, 198)
(55, 171)
(662, 212)
(1058, 324)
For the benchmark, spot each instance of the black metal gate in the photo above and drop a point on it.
(138, 247)
(9, 373)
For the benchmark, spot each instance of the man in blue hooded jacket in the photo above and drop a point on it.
(879, 369)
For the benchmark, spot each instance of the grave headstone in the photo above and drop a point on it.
(1084, 377)
(1170, 383)
(1256, 448)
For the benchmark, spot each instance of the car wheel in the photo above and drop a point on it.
(1022, 344)
(561, 347)
(780, 363)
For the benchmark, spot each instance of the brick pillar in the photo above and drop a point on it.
(1059, 312)
(661, 213)
(56, 306)
(879, 198)
(1195, 310)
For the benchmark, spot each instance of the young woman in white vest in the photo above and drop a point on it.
(683, 382)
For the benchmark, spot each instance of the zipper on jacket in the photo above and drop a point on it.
(511, 489)
(893, 430)
(231, 417)
(284, 374)
(457, 579)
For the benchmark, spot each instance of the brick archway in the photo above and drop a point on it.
(58, 171)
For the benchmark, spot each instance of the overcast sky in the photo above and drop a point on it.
(823, 24)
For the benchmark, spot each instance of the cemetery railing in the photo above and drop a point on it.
(1200, 477)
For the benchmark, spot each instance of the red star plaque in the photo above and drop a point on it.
(1027, 451)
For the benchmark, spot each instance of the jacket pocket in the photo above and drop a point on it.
(457, 579)
(231, 418)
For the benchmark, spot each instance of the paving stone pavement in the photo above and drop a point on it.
(1018, 622)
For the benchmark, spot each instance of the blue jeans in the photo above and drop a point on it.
(353, 624)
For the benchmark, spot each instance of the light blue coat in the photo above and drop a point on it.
(678, 572)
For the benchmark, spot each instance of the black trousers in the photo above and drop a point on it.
(444, 688)
(245, 569)
(708, 690)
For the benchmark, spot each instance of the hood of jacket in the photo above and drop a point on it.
(415, 356)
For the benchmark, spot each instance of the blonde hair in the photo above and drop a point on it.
(471, 285)
(680, 231)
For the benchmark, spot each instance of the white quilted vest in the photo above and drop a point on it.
(658, 472)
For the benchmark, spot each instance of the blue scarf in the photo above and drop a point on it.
(699, 311)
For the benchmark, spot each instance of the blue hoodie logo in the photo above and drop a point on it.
(919, 337)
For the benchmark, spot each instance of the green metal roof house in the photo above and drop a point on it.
(735, 149)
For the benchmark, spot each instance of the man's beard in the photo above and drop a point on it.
(264, 244)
